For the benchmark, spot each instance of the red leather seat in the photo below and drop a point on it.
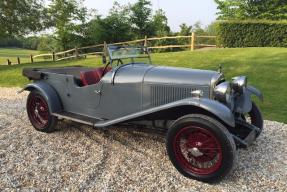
(94, 76)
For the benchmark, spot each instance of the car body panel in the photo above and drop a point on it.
(255, 91)
(220, 111)
(50, 94)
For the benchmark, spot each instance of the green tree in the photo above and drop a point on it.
(185, 29)
(67, 18)
(114, 28)
(252, 9)
(211, 29)
(20, 17)
(47, 43)
(160, 23)
(140, 18)
(268, 9)
(197, 28)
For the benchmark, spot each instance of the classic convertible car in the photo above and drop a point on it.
(205, 117)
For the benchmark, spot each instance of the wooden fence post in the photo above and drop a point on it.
(145, 41)
(8, 62)
(18, 59)
(192, 43)
(105, 48)
(53, 56)
(31, 57)
(77, 52)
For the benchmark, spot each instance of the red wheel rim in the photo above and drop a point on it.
(197, 150)
(38, 111)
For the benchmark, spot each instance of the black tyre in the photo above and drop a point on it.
(39, 113)
(201, 148)
(256, 117)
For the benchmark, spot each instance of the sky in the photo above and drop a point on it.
(177, 11)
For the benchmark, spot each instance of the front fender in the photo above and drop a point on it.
(219, 110)
(255, 91)
(243, 103)
(48, 92)
(214, 107)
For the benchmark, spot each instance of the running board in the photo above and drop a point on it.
(77, 118)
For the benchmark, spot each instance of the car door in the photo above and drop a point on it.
(83, 100)
(124, 97)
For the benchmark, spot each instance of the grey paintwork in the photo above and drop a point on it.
(243, 103)
(129, 96)
(219, 110)
(48, 92)
(255, 91)
(137, 90)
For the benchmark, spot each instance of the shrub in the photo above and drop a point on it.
(252, 33)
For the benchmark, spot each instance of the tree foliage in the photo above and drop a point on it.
(252, 9)
(66, 17)
(160, 23)
(21, 17)
(185, 29)
(69, 24)
(140, 18)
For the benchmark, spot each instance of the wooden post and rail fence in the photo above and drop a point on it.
(148, 42)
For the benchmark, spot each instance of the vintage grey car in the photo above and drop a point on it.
(204, 116)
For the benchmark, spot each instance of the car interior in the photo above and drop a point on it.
(83, 76)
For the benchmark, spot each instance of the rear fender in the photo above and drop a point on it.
(48, 92)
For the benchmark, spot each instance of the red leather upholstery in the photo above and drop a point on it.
(94, 76)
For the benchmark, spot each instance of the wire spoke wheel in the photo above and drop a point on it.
(197, 150)
(38, 111)
(200, 147)
(39, 114)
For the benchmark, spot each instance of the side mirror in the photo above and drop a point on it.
(104, 59)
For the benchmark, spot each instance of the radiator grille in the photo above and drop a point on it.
(164, 94)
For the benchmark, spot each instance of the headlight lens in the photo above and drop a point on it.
(239, 83)
(222, 92)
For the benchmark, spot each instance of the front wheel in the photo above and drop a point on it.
(200, 148)
(254, 117)
(39, 113)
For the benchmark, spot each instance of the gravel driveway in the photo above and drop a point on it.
(77, 157)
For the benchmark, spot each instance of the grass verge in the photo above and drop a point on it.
(266, 69)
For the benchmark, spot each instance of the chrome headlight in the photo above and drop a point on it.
(222, 92)
(239, 83)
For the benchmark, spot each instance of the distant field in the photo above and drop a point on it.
(266, 68)
(13, 53)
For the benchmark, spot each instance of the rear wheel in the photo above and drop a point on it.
(201, 148)
(39, 113)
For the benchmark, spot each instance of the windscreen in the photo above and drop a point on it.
(124, 52)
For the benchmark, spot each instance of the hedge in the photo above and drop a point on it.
(252, 33)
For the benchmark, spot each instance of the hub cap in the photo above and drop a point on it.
(38, 111)
(197, 150)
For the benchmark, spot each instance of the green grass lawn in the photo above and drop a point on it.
(266, 68)
(13, 53)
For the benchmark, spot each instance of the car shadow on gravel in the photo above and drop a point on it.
(259, 156)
